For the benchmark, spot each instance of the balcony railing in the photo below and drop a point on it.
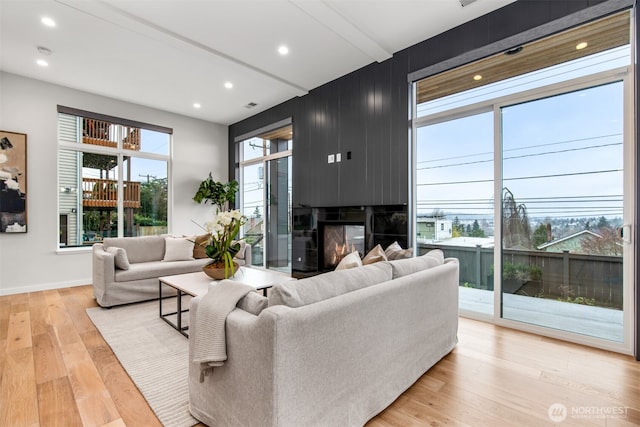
(103, 193)
(105, 134)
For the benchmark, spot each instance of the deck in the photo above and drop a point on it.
(599, 322)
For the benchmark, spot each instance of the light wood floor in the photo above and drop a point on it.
(56, 370)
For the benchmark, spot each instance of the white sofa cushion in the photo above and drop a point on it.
(139, 249)
(403, 267)
(178, 248)
(323, 286)
(151, 269)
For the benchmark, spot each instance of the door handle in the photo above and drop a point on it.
(624, 233)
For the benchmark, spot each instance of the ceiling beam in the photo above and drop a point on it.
(340, 25)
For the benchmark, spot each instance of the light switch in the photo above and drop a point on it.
(330, 158)
(338, 157)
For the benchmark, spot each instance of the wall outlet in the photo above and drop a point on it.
(338, 157)
(330, 158)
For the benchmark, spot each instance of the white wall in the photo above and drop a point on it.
(31, 261)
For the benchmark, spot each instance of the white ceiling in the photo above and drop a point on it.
(169, 54)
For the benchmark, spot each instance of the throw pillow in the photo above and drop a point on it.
(198, 249)
(352, 260)
(395, 251)
(403, 267)
(119, 257)
(375, 255)
(178, 249)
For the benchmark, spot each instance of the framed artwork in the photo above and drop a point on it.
(13, 182)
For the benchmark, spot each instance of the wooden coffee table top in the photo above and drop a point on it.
(198, 283)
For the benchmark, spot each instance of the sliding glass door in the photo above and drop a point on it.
(532, 192)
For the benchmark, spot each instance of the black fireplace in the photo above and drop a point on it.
(322, 236)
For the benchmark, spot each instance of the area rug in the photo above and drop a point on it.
(154, 355)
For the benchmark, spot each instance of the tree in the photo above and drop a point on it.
(153, 202)
(608, 242)
(603, 223)
(457, 228)
(476, 231)
(516, 231)
(541, 235)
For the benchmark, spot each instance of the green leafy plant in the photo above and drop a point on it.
(216, 193)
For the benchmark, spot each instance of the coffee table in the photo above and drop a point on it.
(194, 284)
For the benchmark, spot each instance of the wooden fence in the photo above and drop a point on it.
(593, 277)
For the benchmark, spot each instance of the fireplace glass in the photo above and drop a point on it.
(339, 241)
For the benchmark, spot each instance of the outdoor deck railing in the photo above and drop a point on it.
(103, 193)
(105, 134)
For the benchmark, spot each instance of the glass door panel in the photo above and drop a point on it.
(562, 207)
(278, 234)
(253, 209)
(454, 201)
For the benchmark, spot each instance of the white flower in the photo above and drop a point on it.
(225, 220)
(236, 214)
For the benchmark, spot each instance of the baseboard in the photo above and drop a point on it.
(44, 287)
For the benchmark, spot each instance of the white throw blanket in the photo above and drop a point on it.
(210, 346)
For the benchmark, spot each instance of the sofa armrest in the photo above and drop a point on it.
(103, 271)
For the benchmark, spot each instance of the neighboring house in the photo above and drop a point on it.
(433, 229)
(571, 243)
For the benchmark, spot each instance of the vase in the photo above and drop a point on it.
(215, 270)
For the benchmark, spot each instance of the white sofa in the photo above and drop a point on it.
(126, 269)
(331, 350)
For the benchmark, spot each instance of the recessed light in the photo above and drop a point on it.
(48, 21)
(581, 45)
(283, 50)
(477, 77)
(42, 63)
(228, 85)
(196, 105)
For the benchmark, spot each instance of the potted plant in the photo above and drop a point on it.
(221, 244)
(223, 195)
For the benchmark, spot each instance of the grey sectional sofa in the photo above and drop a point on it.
(127, 269)
(331, 350)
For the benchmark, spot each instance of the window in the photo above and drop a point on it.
(112, 178)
